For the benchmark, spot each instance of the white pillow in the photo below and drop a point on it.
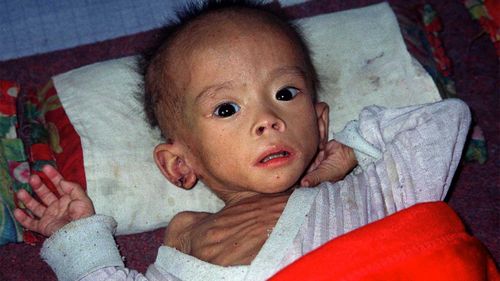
(359, 53)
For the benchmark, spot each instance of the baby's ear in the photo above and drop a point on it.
(169, 158)
(323, 116)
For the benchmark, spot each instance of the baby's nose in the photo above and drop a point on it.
(270, 124)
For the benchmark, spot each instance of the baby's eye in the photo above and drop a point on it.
(287, 93)
(226, 109)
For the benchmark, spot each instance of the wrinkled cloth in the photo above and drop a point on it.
(420, 149)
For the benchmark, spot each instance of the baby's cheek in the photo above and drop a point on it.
(221, 156)
(312, 143)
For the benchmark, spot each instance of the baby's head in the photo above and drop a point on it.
(233, 90)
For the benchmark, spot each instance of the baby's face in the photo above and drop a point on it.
(251, 121)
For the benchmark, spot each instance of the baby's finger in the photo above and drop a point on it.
(31, 203)
(314, 178)
(44, 193)
(25, 220)
(35, 181)
(54, 176)
(74, 190)
(317, 161)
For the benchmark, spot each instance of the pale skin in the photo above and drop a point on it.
(252, 117)
(50, 213)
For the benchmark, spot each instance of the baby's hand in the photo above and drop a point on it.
(332, 163)
(53, 213)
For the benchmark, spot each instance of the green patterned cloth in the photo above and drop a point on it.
(14, 168)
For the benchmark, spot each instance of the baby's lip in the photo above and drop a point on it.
(273, 154)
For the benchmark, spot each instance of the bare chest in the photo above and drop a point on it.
(233, 236)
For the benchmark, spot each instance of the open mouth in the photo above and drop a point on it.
(274, 156)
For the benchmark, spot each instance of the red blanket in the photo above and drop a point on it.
(424, 242)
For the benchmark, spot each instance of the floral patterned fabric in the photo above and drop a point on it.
(487, 12)
(421, 29)
(34, 131)
(49, 136)
(14, 168)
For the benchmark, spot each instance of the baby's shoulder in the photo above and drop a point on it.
(185, 219)
(177, 231)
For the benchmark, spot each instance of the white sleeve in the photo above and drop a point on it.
(125, 274)
(420, 150)
(422, 145)
(414, 152)
(114, 274)
(86, 250)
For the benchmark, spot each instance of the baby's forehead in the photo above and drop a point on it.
(213, 26)
(218, 32)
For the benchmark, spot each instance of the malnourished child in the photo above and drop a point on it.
(232, 89)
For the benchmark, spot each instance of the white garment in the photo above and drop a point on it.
(420, 149)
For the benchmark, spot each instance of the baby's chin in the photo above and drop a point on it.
(278, 184)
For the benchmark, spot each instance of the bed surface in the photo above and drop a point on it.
(474, 195)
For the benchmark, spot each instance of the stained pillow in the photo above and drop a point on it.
(361, 59)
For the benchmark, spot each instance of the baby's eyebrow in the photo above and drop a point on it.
(211, 90)
(288, 70)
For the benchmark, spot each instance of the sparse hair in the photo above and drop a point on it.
(162, 103)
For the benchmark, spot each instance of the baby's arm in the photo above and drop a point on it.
(81, 244)
(420, 148)
(417, 150)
